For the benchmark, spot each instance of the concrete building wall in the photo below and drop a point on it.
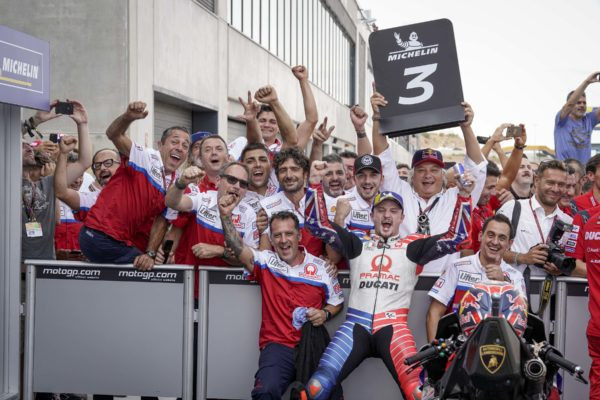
(111, 52)
(88, 54)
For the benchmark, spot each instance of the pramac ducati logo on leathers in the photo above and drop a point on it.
(383, 260)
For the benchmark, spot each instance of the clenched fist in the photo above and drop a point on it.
(190, 175)
(266, 94)
(300, 72)
(136, 110)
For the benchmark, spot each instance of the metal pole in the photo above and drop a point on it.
(202, 336)
(29, 325)
(560, 323)
(188, 334)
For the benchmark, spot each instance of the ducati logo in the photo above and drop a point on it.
(492, 357)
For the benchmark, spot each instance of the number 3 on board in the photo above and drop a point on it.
(423, 72)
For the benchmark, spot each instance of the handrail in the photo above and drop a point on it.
(61, 263)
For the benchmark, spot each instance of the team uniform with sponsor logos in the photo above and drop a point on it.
(589, 251)
(586, 201)
(283, 289)
(573, 240)
(279, 202)
(463, 274)
(254, 198)
(133, 197)
(383, 275)
(438, 207)
(209, 227)
(66, 233)
(359, 220)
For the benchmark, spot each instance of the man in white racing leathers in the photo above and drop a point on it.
(384, 269)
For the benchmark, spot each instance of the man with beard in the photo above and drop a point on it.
(427, 206)
(353, 210)
(134, 195)
(536, 218)
(39, 213)
(521, 186)
(334, 181)
(573, 126)
(232, 182)
(292, 282)
(486, 265)
(263, 182)
(292, 170)
(384, 269)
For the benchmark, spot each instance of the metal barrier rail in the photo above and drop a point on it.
(417, 321)
(94, 328)
(572, 318)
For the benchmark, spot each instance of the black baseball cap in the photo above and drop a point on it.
(367, 161)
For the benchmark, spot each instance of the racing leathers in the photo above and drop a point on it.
(383, 275)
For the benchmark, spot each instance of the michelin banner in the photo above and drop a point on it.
(24, 70)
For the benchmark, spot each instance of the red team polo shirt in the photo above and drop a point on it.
(589, 251)
(284, 288)
(133, 196)
(586, 201)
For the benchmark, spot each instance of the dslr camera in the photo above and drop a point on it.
(556, 253)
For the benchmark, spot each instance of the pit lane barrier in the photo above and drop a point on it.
(108, 329)
(94, 328)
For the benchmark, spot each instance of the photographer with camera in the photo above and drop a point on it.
(539, 224)
(38, 202)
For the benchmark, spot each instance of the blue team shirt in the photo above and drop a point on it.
(572, 138)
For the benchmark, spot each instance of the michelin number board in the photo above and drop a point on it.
(416, 70)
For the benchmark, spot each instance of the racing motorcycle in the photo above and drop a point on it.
(491, 349)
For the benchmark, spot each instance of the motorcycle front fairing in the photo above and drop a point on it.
(487, 365)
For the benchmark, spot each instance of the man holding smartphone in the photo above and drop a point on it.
(573, 126)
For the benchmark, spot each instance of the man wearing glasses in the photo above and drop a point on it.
(232, 182)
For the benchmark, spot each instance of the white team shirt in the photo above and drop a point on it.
(359, 218)
(528, 234)
(208, 218)
(441, 214)
(463, 274)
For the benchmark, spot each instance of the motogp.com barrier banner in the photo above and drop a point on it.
(109, 274)
(416, 70)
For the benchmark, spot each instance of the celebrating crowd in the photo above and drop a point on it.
(292, 220)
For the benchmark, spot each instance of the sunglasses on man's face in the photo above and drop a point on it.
(232, 180)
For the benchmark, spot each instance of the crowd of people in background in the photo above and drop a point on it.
(273, 203)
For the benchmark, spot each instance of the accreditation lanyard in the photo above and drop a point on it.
(537, 222)
(164, 179)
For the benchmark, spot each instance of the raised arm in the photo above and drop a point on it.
(289, 136)
(380, 142)
(424, 250)
(175, 198)
(116, 131)
(84, 160)
(495, 139)
(61, 189)
(251, 109)
(320, 136)
(232, 238)
(471, 145)
(359, 117)
(510, 170)
(577, 93)
(311, 115)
